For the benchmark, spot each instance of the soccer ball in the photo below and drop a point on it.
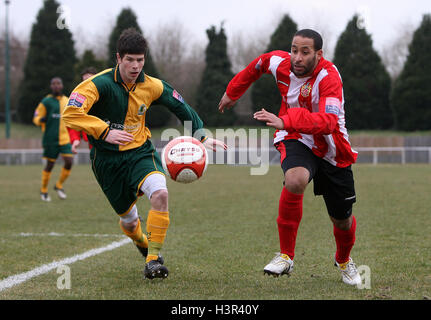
(184, 159)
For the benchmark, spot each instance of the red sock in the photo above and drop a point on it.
(289, 217)
(344, 239)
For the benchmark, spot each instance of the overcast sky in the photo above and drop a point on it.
(90, 18)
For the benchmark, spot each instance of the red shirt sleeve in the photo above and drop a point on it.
(303, 121)
(242, 81)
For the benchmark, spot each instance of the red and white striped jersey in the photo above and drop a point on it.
(312, 108)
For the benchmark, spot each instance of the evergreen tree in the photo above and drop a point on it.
(51, 53)
(216, 76)
(265, 92)
(366, 82)
(87, 60)
(126, 19)
(157, 115)
(411, 94)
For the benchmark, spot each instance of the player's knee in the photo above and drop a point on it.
(130, 226)
(130, 220)
(68, 164)
(344, 224)
(296, 184)
(159, 200)
(296, 180)
(49, 165)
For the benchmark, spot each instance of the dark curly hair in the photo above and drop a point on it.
(311, 34)
(131, 41)
(91, 70)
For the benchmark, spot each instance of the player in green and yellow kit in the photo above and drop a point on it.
(55, 139)
(111, 108)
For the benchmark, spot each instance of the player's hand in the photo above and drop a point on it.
(212, 144)
(75, 145)
(119, 137)
(269, 118)
(225, 103)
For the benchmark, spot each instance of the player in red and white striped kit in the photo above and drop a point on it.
(313, 143)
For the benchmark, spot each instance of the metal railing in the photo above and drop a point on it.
(406, 154)
(243, 156)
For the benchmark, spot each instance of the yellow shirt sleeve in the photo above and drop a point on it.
(76, 116)
(39, 116)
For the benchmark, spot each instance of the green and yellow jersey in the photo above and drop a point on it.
(104, 102)
(48, 116)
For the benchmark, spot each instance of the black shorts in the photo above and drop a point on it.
(334, 183)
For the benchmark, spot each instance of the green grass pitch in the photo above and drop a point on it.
(223, 231)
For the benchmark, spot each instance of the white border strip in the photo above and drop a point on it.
(23, 277)
(55, 234)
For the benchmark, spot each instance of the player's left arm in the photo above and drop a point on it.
(178, 106)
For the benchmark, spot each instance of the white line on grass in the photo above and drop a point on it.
(55, 234)
(22, 277)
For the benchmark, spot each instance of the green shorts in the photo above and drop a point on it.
(51, 152)
(120, 174)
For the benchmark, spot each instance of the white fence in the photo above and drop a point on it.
(395, 154)
(243, 156)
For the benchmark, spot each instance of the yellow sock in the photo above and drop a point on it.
(136, 235)
(45, 180)
(157, 226)
(63, 176)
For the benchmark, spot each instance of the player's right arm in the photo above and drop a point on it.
(242, 80)
(76, 116)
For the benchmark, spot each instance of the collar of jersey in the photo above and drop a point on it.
(118, 79)
(55, 97)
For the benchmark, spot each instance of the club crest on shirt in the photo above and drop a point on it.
(306, 89)
(142, 109)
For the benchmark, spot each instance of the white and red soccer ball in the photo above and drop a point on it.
(184, 159)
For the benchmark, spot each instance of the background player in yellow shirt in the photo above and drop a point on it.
(55, 138)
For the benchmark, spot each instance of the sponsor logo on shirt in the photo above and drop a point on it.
(332, 105)
(177, 96)
(332, 109)
(258, 64)
(119, 126)
(76, 100)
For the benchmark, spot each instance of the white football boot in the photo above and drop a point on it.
(45, 197)
(279, 265)
(349, 272)
(60, 192)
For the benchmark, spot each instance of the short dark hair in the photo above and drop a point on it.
(311, 34)
(91, 70)
(131, 41)
(56, 78)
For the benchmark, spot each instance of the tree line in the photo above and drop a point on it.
(372, 99)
